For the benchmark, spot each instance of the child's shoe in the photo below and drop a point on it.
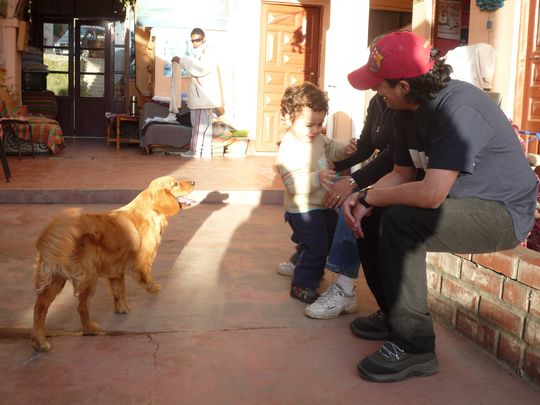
(286, 269)
(307, 295)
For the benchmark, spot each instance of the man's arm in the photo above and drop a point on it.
(399, 188)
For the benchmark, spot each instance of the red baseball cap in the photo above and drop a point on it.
(397, 55)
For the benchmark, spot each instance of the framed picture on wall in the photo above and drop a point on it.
(449, 19)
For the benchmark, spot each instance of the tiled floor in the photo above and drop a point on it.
(223, 329)
(89, 164)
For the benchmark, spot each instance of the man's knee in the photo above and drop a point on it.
(397, 217)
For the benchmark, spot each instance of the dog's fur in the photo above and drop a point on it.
(80, 247)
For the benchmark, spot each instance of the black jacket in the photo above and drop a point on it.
(377, 134)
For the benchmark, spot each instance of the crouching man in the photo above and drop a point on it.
(478, 195)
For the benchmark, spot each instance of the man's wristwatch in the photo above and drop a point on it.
(362, 194)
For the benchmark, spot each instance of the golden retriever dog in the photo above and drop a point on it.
(81, 247)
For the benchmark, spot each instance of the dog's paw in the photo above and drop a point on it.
(41, 347)
(154, 288)
(122, 309)
(91, 328)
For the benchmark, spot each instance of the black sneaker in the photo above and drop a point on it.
(391, 363)
(373, 327)
(307, 295)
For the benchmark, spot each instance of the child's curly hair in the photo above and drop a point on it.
(302, 95)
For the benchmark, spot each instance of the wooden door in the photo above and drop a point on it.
(289, 54)
(527, 106)
(78, 56)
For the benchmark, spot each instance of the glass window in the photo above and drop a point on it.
(119, 85)
(92, 61)
(118, 59)
(92, 85)
(58, 83)
(119, 33)
(56, 63)
(56, 38)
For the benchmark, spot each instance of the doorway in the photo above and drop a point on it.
(77, 54)
(289, 54)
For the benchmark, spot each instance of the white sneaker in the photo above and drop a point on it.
(190, 154)
(332, 303)
(286, 269)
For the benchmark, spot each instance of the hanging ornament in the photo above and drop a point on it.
(489, 5)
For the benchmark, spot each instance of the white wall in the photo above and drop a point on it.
(346, 50)
(503, 36)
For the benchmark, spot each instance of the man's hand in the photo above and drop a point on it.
(354, 212)
(175, 59)
(351, 147)
(337, 193)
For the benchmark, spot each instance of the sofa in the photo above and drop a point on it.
(158, 135)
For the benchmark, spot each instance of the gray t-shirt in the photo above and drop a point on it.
(463, 130)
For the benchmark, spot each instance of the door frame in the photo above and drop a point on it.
(524, 66)
(69, 105)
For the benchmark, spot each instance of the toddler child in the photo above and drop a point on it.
(303, 163)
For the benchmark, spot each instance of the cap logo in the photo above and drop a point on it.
(375, 59)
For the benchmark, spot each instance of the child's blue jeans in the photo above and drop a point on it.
(343, 257)
(313, 231)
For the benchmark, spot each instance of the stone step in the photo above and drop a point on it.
(97, 196)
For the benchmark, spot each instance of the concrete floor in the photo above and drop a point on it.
(223, 329)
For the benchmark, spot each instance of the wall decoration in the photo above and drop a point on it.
(449, 19)
(489, 5)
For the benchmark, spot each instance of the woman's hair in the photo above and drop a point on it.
(303, 95)
(427, 86)
(197, 31)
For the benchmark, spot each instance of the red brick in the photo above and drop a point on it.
(532, 333)
(482, 278)
(534, 307)
(502, 316)
(504, 262)
(441, 309)
(433, 280)
(510, 350)
(466, 256)
(466, 325)
(482, 334)
(516, 294)
(529, 269)
(460, 294)
(531, 365)
(445, 262)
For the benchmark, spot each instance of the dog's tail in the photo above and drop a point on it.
(55, 249)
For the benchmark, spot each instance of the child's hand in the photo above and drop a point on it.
(351, 147)
(325, 177)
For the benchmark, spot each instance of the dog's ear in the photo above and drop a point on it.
(165, 203)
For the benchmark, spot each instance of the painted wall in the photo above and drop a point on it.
(503, 36)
